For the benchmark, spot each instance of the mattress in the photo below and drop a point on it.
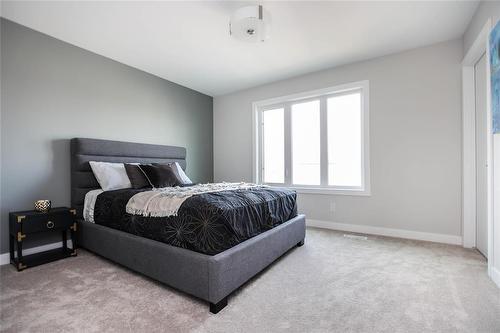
(207, 223)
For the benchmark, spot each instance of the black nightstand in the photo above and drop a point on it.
(23, 224)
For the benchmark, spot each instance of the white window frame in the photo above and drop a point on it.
(323, 94)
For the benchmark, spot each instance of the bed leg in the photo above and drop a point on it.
(300, 243)
(215, 308)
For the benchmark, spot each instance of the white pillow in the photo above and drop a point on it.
(111, 176)
(185, 179)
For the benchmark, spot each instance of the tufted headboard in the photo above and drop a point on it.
(85, 150)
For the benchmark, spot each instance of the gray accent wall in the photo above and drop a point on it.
(52, 91)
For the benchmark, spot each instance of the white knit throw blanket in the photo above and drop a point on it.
(166, 201)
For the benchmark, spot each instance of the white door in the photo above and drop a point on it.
(481, 157)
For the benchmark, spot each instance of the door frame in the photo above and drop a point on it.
(478, 48)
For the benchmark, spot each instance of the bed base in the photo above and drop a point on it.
(215, 308)
(211, 278)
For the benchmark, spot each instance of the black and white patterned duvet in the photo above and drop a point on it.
(207, 223)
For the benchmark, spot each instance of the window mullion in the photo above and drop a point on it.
(323, 142)
(288, 144)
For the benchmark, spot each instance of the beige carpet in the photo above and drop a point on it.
(332, 283)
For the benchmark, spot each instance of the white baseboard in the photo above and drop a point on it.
(495, 275)
(5, 257)
(399, 233)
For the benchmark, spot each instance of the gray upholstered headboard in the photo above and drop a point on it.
(85, 150)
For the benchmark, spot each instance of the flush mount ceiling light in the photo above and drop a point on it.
(250, 24)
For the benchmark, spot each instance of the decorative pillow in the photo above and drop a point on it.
(160, 175)
(111, 176)
(136, 176)
(182, 175)
(182, 178)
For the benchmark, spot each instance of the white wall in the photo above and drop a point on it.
(486, 10)
(415, 133)
(489, 10)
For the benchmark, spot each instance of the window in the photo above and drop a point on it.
(315, 142)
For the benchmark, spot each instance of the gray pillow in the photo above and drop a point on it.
(161, 175)
(136, 176)
(182, 178)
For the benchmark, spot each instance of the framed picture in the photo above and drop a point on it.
(495, 77)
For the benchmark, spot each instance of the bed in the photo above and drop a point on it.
(211, 276)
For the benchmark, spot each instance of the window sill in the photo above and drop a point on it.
(328, 191)
(324, 190)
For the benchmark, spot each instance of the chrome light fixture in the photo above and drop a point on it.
(250, 24)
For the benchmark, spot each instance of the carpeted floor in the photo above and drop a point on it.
(333, 283)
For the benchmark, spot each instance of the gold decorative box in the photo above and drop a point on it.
(42, 205)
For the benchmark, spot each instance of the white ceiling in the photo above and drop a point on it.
(188, 42)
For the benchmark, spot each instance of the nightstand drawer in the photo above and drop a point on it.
(47, 222)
